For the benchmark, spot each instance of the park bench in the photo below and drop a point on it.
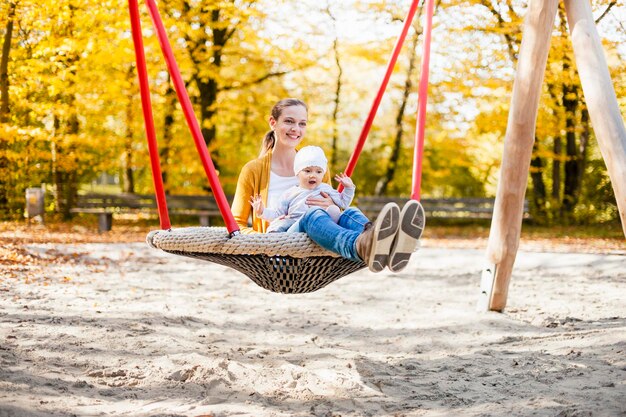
(470, 208)
(204, 207)
(106, 205)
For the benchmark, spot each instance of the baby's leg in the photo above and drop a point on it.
(295, 228)
(281, 225)
(352, 218)
(334, 212)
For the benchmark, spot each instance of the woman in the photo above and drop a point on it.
(389, 241)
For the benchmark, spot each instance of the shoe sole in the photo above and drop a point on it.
(385, 229)
(412, 222)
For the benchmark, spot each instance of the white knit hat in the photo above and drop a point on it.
(309, 156)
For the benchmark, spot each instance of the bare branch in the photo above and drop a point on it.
(509, 39)
(606, 11)
(254, 82)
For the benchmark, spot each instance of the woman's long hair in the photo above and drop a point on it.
(269, 140)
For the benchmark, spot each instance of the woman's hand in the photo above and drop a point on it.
(257, 204)
(324, 201)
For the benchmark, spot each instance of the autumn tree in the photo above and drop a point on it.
(50, 67)
(222, 53)
(69, 97)
(4, 97)
(4, 62)
(562, 146)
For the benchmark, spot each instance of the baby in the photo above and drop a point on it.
(309, 166)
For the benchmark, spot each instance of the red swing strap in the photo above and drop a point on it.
(146, 105)
(423, 93)
(418, 153)
(190, 117)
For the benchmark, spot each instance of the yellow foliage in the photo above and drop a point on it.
(75, 104)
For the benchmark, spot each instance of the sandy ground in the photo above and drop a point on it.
(124, 330)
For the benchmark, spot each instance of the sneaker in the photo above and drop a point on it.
(412, 222)
(374, 244)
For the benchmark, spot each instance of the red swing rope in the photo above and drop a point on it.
(422, 100)
(146, 105)
(381, 91)
(192, 122)
(418, 154)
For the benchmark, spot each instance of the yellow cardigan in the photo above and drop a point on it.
(254, 179)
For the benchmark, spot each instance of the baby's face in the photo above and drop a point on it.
(310, 177)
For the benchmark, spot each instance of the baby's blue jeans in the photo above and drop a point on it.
(336, 237)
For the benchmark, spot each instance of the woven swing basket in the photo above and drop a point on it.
(289, 263)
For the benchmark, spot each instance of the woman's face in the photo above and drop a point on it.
(290, 126)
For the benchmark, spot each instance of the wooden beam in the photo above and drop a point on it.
(518, 145)
(600, 96)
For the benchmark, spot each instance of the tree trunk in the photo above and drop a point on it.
(537, 166)
(4, 101)
(66, 180)
(557, 150)
(585, 134)
(59, 176)
(557, 91)
(4, 65)
(208, 98)
(572, 162)
(209, 88)
(128, 174)
(333, 149)
(571, 96)
(168, 123)
(65, 185)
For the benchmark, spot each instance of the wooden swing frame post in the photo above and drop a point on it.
(604, 111)
(506, 224)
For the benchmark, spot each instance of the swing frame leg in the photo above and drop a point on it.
(605, 117)
(506, 224)
(597, 85)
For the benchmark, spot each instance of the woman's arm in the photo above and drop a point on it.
(324, 201)
(343, 199)
(241, 207)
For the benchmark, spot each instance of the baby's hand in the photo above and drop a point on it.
(257, 204)
(344, 180)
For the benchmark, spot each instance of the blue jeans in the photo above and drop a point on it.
(335, 237)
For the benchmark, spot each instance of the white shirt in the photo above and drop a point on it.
(277, 186)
